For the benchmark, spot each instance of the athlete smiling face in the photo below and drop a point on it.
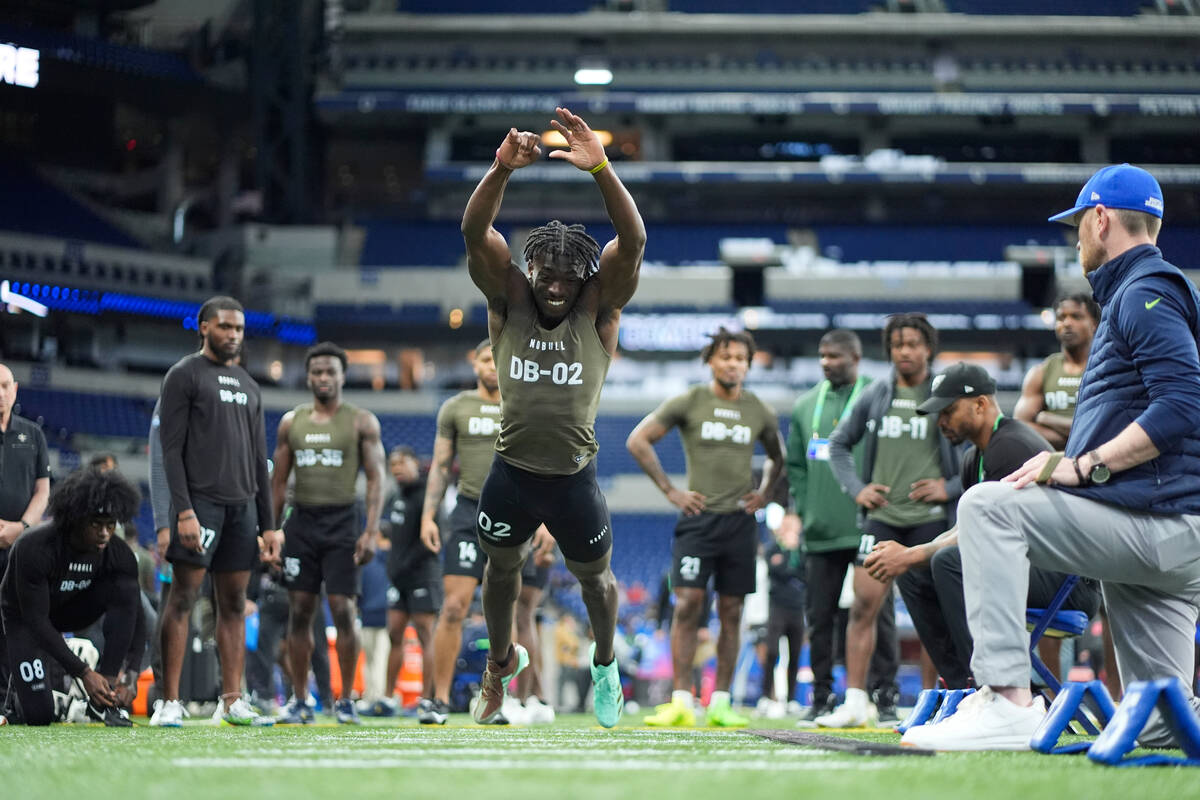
(557, 281)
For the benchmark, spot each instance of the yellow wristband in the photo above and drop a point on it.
(599, 166)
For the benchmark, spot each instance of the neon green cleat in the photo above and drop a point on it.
(607, 695)
(673, 715)
(722, 715)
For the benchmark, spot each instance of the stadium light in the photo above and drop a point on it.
(553, 138)
(593, 73)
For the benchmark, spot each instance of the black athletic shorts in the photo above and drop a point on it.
(708, 544)
(228, 534)
(877, 531)
(417, 594)
(533, 575)
(318, 546)
(461, 552)
(514, 502)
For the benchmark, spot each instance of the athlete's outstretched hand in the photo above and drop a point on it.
(364, 547)
(519, 149)
(430, 536)
(586, 151)
(690, 503)
(270, 547)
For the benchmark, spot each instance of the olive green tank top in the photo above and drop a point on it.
(906, 451)
(550, 383)
(325, 455)
(472, 423)
(1058, 388)
(718, 442)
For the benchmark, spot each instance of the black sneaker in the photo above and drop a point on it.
(111, 716)
(885, 708)
(823, 706)
(432, 712)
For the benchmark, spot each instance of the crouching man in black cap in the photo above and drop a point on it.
(62, 576)
(963, 398)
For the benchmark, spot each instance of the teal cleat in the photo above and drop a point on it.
(607, 695)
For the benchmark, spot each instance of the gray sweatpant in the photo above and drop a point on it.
(1148, 565)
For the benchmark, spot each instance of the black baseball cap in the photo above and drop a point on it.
(961, 380)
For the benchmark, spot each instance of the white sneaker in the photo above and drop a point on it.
(514, 712)
(771, 709)
(240, 712)
(983, 721)
(167, 714)
(77, 711)
(849, 715)
(794, 709)
(537, 712)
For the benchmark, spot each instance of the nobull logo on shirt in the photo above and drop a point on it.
(538, 344)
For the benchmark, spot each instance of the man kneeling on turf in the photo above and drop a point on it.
(62, 576)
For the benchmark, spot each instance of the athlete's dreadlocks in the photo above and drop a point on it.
(910, 319)
(572, 241)
(723, 337)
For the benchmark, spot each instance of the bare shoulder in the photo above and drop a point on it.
(366, 422)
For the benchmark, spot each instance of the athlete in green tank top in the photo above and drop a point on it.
(906, 452)
(324, 456)
(325, 443)
(719, 422)
(1047, 401)
(559, 321)
(467, 427)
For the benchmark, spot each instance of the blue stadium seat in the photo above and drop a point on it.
(33, 205)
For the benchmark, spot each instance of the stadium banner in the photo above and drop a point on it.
(837, 103)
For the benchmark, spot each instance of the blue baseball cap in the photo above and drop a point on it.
(1117, 186)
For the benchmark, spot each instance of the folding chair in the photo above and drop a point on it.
(1056, 623)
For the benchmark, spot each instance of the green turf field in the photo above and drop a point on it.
(571, 760)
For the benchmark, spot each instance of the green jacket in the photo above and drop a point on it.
(829, 515)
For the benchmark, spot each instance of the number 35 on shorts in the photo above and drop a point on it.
(493, 529)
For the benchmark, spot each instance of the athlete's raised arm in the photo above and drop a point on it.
(488, 258)
(621, 258)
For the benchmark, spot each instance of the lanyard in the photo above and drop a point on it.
(820, 407)
(994, 427)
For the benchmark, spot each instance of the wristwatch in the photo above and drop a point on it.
(1099, 473)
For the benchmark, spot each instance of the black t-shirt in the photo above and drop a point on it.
(23, 460)
(785, 569)
(1012, 444)
(214, 439)
(44, 574)
(400, 522)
